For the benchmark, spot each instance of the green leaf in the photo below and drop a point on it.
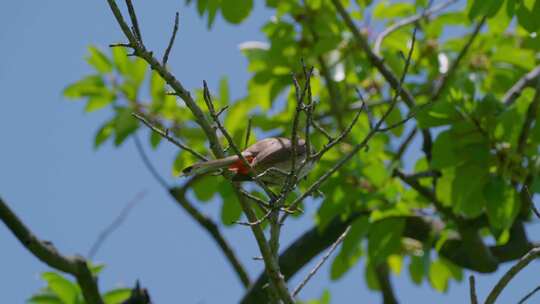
(484, 8)
(386, 10)
(502, 203)
(439, 114)
(45, 298)
(124, 125)
(157, 89)
(116, 296)
(439, 275)
(235, 11)
(371, 277)
(230, 210)
(155, 139)
(92, 85)
(120, 60)
(99, 102)
(443, 153)
(99, 60)
(204, 188)
(351, 249)
(467, 189)
(528, 15)
(417, 269)
(66, 290)
(103, 134)
(224, 97)
(384, 238)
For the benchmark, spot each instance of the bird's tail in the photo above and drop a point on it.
(210, 165)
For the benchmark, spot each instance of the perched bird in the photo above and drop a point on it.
(270, 159)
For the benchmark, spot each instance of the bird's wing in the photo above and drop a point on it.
(274, 150)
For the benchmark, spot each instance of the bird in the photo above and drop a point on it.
(270, 160)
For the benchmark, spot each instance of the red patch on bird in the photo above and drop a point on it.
(239, 167)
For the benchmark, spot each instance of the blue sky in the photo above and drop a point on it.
(67, 192)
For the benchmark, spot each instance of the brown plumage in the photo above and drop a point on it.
(273, 152)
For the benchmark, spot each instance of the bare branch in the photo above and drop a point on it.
(171, 41)
(48, 254)
(115, 224)
(321, 262)
(180, 91)
(171, 139)
(383, 278)
(527, 80)
(315, 186)
(134, 22)
(531, 203)
(472, 290)
(148, 163)
(179, 194)
(257, 222)
(375, 60)
(407, 21)
(511, 273)
(248, 133)
(441, 85)
(529, 295)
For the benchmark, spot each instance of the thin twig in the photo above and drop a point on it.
(179, 195)
(248, 133)
(257, 222)
(165, 135)
(230, 141)
(529, 295)
(527, 80)
(341, 136)
(375, 59)
(407, 21)
(405, 144)
(115, 224)
(278, 285)
(48, 254)
(441, 85)
(171, 41)
(315, 186)
(321, 262)
(511, 273)
(531, 202)
(472, 290)
(134, 22)
(148, 163)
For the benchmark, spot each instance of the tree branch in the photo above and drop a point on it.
(171, 41)
(165, 134)
(321, 262)
(472, 290)
(441, 84)
(141, 52)
(114, 224)
(383, 277)
(375, 60)
(511, 273)
(179, 195)
(527, 80)
(409, 20)
(48, 254)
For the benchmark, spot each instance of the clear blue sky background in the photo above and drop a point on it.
(67, 192)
